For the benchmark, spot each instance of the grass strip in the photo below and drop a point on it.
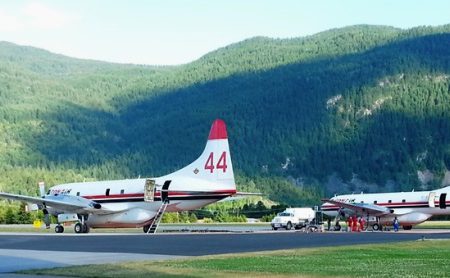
(427, 258)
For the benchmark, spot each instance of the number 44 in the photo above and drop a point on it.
(221, 164)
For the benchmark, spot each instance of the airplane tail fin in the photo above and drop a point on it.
(214, 164)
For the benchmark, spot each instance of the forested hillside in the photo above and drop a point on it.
(358, 108)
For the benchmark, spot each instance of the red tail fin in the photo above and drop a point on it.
(218, 130)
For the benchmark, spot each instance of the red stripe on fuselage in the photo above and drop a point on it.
(158, 194)
(407, 204)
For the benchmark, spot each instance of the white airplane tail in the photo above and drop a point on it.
(214, 165)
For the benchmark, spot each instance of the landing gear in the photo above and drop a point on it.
(376, 227)
(146, 228)
(81, 228)
(59, 229)
(406, 228)
(86, 228)
(78, 228)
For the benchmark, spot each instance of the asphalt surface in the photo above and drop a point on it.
(199, 244)
(22, 251)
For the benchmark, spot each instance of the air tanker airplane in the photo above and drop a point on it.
(139, 202)
(410, 208)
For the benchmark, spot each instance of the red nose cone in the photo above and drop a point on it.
(218, 130)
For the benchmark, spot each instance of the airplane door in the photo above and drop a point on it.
(165, 190)
(149, 190)
(431, 199)
(442, 203)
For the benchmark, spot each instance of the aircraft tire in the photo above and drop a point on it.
(407, 228)
(376, 227)
(289, 226)
(78, 228)
(85, 229)
(146, 228)
(59, 229)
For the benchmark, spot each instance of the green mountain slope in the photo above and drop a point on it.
(362, 107)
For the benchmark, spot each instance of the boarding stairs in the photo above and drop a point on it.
(157, 219)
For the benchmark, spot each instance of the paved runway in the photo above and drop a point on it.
(197, 244)
(100, 248)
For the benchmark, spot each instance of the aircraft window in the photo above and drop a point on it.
(375, 202)
(122, 191)
(403, 201)
(107, 192)
(390, 201)
(78, 193)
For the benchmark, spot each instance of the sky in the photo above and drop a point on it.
(170, 32)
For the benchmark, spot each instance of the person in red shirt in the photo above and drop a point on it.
(355, 224)
(349, 224)
(362, 223)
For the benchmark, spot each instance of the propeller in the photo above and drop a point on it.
(47, 219)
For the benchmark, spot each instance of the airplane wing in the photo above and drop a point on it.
(66, 203)
(361, 207)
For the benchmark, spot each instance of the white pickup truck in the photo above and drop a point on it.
(293, 218)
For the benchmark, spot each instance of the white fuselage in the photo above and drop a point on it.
(141, 202)
(410, 208)
(125, 198)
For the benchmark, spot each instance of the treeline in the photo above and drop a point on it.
(367, 103)
(13, 214)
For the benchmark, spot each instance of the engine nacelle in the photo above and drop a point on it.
(413, 218)
(67, 217)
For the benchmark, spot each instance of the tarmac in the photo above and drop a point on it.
(22, 251)
(12, 260)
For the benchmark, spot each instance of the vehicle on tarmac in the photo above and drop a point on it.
(293, 218)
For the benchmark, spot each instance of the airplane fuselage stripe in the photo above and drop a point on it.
(389, 205)
(172, 194)
(178, 198)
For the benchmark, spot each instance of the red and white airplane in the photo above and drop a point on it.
(410, 208)
(136, 202)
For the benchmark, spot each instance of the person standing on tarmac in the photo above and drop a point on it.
(355, 224)
(349, 224)
(362, 223)
(396, 224)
